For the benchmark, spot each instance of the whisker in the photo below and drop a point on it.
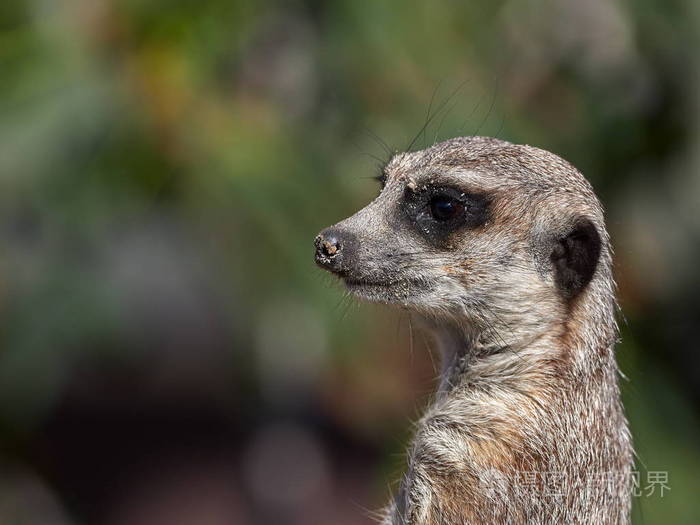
(437, 112)
(429, 347)
(471, 113)
(430, 107)
(500, 128)
(442, 120)
(488, 113)
(381, 142)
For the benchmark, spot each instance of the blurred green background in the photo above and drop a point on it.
(169, 352)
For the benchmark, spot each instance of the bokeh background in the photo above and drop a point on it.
(169, 354)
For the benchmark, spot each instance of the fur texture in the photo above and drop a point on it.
(517, 290)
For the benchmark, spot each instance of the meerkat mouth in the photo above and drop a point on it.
(389, 292)
(355, 283)
(393, 283)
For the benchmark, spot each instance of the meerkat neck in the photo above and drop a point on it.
(468, 357)
(578, 345)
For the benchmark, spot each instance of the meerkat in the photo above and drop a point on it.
(501, 251)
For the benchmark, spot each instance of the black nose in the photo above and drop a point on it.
(329, 250)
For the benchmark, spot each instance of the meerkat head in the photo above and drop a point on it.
(478, 230)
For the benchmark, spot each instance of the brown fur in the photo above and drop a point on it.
(526, 425)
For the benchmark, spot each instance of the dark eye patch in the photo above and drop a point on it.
(439, 211)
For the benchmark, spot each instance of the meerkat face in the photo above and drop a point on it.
(458, 232)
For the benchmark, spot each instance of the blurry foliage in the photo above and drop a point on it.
(165, 166)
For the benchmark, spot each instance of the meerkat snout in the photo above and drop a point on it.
(328, 248)
(334, 249)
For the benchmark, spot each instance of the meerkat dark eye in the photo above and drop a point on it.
(440, 211)
(444, 208)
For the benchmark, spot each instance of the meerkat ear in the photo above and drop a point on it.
(575, 257)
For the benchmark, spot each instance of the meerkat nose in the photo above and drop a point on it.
(329, 251)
